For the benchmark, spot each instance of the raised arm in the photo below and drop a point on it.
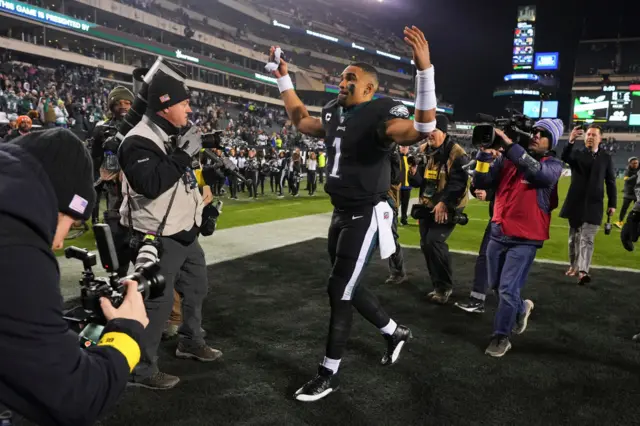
(408, 132)
(296, 110)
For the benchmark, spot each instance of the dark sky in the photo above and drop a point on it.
(471, 41)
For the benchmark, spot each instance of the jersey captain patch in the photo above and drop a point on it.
(399, 111)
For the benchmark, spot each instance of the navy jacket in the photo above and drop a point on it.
(44, 374)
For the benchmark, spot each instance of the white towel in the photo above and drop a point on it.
(272, 66)
(384, 217)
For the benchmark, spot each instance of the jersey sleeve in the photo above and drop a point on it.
(388, 109)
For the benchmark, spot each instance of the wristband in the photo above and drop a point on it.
(424, 127)
(124, 344)
(426, 90)
(285, 83)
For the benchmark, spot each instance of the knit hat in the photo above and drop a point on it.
(68, 164)
(554, 126)
(165, 92)
(442, 123)
(120, 93)
(632, 159)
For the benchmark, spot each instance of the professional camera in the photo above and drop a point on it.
(454, 216)
(517, 127)
(88, 318)
(211, 142)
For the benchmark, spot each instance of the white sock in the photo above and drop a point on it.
(389, 328)
(331, 364)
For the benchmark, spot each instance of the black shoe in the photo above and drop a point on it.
(397, 279)
(498, 346)
(320, 386)
(395, 343)
(474, 305)
(157, 381)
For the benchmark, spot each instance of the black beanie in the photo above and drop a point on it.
(442, 123)
(68, 164)
(165, 91)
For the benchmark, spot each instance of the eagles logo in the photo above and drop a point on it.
(400, 111)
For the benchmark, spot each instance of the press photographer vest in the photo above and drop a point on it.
(147, 214)
(434, 171)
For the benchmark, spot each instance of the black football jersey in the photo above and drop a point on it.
(358, 167)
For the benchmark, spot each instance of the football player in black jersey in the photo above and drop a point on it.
(359, 132)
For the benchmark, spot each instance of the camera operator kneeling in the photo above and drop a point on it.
(45, 185)
(526, 182)
(164, 207)
(443, 187)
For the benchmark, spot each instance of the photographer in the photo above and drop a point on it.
(443, 187)
(526, 182)
(397, 270)
(164, 207)
(106, 166)
(46, 183)
(628, 191)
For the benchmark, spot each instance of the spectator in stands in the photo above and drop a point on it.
(23, 127)
(628, 192)
(591, 170)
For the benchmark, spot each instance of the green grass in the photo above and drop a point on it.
(608, 249)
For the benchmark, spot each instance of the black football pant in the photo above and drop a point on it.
(353, 237)
(433, 242)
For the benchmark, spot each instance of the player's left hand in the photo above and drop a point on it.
(421, 55)
(440, 213)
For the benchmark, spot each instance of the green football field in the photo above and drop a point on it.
(608, 250)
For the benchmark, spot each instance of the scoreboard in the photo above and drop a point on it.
(523, 38)
(611, 107)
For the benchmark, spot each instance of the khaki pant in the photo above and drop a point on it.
(175, 318)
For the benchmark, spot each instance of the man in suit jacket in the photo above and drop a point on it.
(591, 170)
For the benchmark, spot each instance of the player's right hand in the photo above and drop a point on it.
(131, 308)
(282, 69)
(576, 133)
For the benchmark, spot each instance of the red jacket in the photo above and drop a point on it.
(526, 193)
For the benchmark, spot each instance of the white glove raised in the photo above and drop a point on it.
(191, 141)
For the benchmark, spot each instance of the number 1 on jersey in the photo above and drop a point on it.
(336, 158)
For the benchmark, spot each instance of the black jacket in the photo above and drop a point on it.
(396, 167)
(585, 200)
(44, 374)
(630, 180)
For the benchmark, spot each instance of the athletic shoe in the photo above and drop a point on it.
(473, 305)
(522, 320)
(397, 279)
(498, 346)
(395, 343)
(320, 386)
(201, 353)
(157, 381)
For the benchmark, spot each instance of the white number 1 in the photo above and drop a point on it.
(336, 159)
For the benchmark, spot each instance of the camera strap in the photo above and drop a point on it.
(164, 219)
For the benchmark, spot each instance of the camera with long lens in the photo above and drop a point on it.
(454, 216)
(518, 127)
(88, 318)
(211, 142)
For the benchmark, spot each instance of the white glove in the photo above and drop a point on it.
(191, 141)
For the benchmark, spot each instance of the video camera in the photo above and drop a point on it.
(88, 318)
(517, 126)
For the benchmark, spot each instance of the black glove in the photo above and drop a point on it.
(631, 230)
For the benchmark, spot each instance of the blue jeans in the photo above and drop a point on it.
(508, 266)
